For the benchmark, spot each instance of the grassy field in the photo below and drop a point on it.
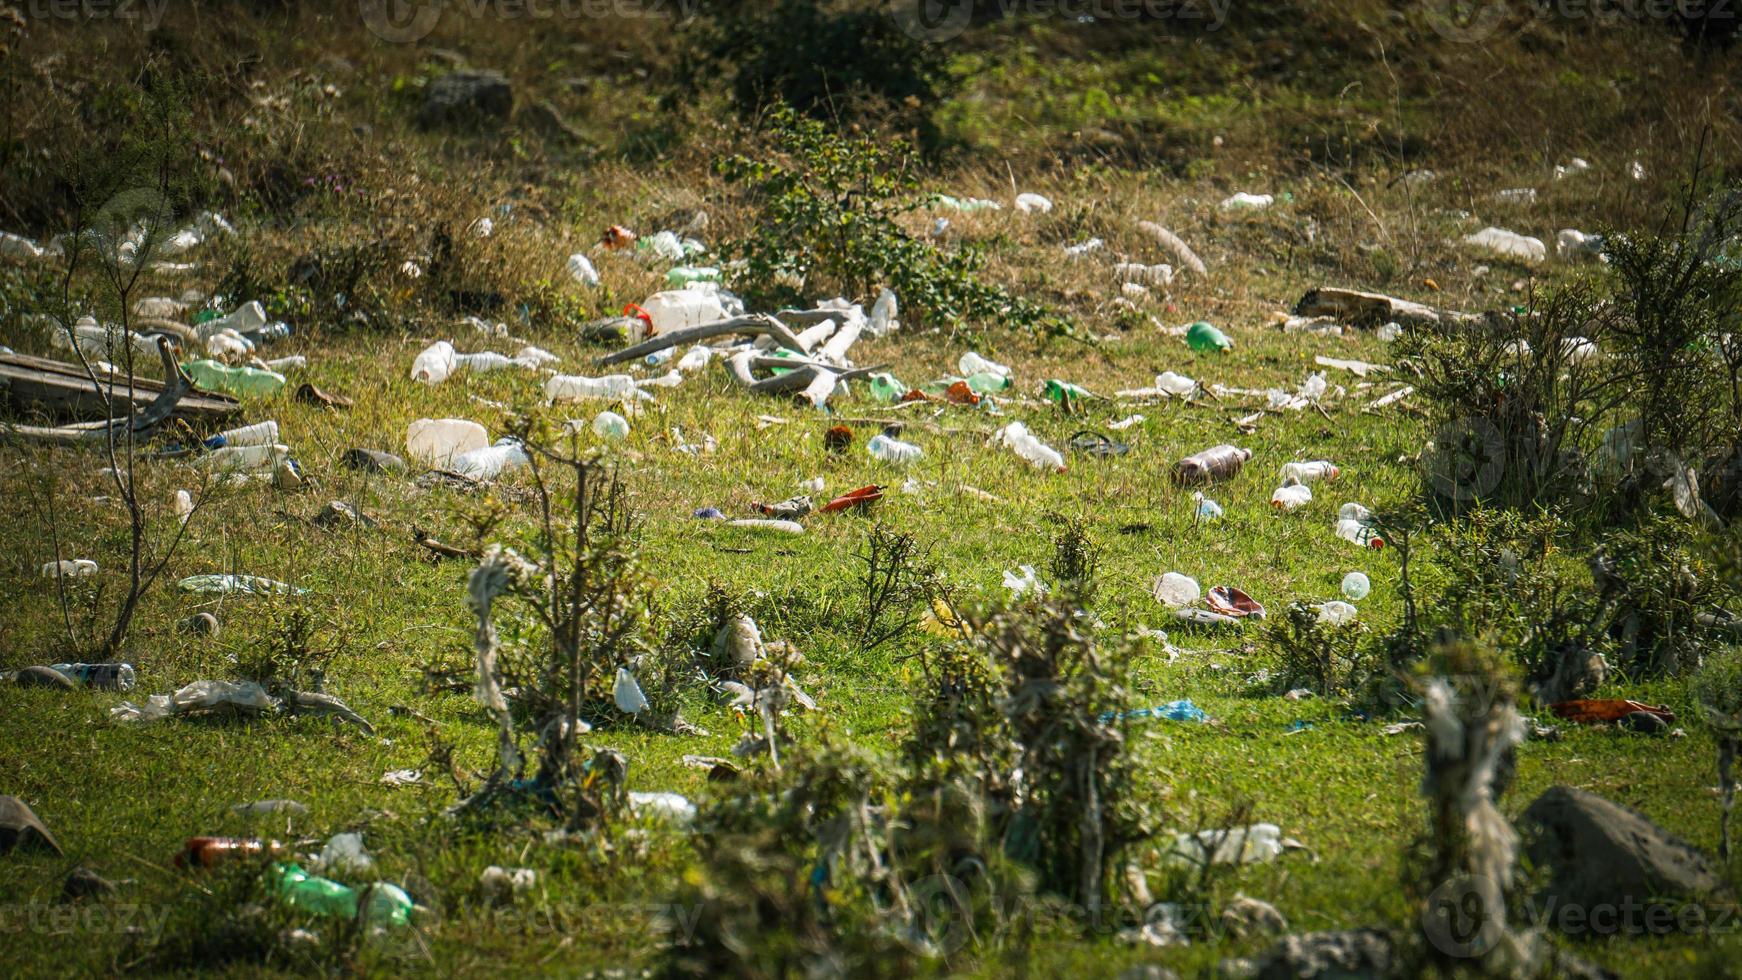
(122, 798)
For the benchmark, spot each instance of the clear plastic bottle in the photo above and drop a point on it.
(282, 364)
(438, 441)
(109, 677)
(581, 270)
(971, 364)
(1310, 472)
(683, 275)
(659, 357)
(1025, 444)
(1357, 532)
(574, 388)
(1207, 509)
(483, 361)
(489, 462)
(696, 359)
(887, 388)
(238, 459)
(1216, 463)
(1291, 495)
(258, 434)
(891, 450)
(987, 383)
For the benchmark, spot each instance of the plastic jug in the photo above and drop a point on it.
(438, 441)
(692, 306)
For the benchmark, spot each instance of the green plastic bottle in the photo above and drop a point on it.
(886, 388)
(683, 275)
(1060, 391)
(1201, 336)
(384, 904)
(239, 381)
(987, 383)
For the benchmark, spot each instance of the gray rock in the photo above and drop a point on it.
(466, 98)
(1350, 954)
(1608, 865)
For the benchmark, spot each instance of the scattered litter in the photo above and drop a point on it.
(1258, 843)
(1024, 582)
(1182, 710)
(70, 568)
(234, 584)
(271, 808)
(1508, 243)
(668, 807)
(1243, 201)
(1030, 203)
(1230, 601)
(212, 698)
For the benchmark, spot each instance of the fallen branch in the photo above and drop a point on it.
(750, 325)
(31, 379)
(1357, 308)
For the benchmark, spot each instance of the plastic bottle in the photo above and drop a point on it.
(1207, 509)
(675, 309)
(1336, 612)
(1201, 336)
(1353, 512)
(883, 314)
(1177, 385)
(238, 459)
(1216, 463)
(483, 361)
(239, 381)
(581, 270)
(1029, 447)
(891, 450)
(282, 364)
(1312, 472)
(1359, 533)
(659, 357)
(886, 388)
(258, 434)
(988, 383)
(109, 677)
(1291, 495)
(696, 359)
(276, 330)
(683, 275)
(574, 388)
(438, 441)
(487, 463)
(1061, 391)
(383, 904)
(1243, 201)
(971, 364)
(69, 568)
(1356, 586)
(244, 319)
(205, 852)
(610, 425)
(434, 364)
(1389, 332)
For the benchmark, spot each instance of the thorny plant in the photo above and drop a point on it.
(897, 579)
(1076, 558)
(583, 605)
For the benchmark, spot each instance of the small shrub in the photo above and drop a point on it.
(895, 584)
(1333, 661)
(827, 207)
(1076, 559)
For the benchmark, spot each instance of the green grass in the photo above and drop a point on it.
(122, 799)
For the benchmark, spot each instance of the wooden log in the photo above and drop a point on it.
(64, 391)
(752, 325)
(1361, 309)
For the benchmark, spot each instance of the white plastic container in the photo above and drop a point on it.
(696, 359)
(971, 364)
(1177, 385)
(434, 364)
(242, 459)
(1031, 203)
(1290, 496)
(438, 441)
(581, 270)
(1247, 202)
(484, 361)
(692, 306)
(69, 568)
(258, 434)
(1028, 446)
(574, 388)
(246, 318)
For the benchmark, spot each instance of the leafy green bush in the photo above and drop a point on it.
(1333, 661)
(827, 210)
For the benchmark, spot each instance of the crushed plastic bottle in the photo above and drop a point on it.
(438, 441)
(574, 388)
(887, 388)
(1182, 710)
(696, 359)
(1353, 512)
(108, 676)
(1336, 613)
(1206, 509)
(988, 383)
(243, 382)
(1355, 586)
(1310, 472)
(69, 568)
(1360, 533)
(1216, 463)
(258, 434)
(1064, 391)
(581, 270)
(1202, 336)
(1176, 385)
(1291, 495)
(1031, 203)
(1242, 201)
(1026, 445)
(891, 450)
(971, 364)
(691, 306)
(489, 462)
(682, 275)
(382, 904)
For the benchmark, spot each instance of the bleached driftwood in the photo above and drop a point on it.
(1177, 246)
(800, 378)
(751, 325)
(1357, 308)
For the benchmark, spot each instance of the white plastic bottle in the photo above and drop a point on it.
(1353, 512)
(283, 364)
(236, 459)
(971, 364)
(483, 361)
(434, 364)
(1025, 444)
(1291, 495)
(258, 434)
(574, 388)
(489, 462)
(692, 306)
(1357, 532)
(438, 441)
(893, 450)
(696, 359)
(1310, 472)
(1336, 612)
